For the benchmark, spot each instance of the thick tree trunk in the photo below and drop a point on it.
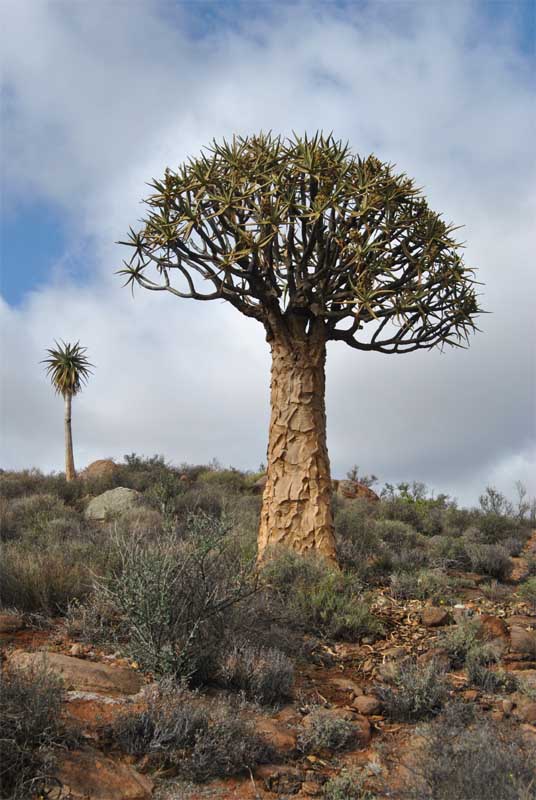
(70, 473)
(296, 511)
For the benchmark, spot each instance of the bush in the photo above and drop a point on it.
(333, 608)
(422, 585)
(324, 731)
(495, 591)
(478, 673)
(264, 675)
(175, 597)
(490, 559)
(31, 516)
(527, 591)
(196, 739)
(347, 786)
(418, 692)
(448, 552)
(45, 580)
(357, 541)
(30, 728)
(474, 758)
(460, 640)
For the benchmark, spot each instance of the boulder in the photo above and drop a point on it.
(111, 503)
(433, 617)
(277, 733)
(103, 468)
(10, 622)
(523, 641)
(79, 675)
(526, 712)
(353, 490)
(90, 774)
(280, 779)
(367, 705)
(493, 628)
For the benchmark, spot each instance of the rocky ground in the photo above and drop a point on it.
(343, 679)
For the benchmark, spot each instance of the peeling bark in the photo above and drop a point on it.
(70, 473)
(296, 511)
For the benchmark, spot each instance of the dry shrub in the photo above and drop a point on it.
(418, 692)
(196, 738)
(468, 756)
(264, 675)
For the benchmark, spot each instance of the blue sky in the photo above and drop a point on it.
(99, 98)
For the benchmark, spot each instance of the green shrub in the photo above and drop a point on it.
(490, 559)
(195, 738)
(31, 516)
(175, 597)
(30, 728)
(45, 580)
(331, 606)
(478, 672)
(422, 585)
(449, 552)
(527, 591)
(324, 731)
(460, 640)
(264, 675)
(347, 786)
(495, 591)
(468, 756)
(418, 692)
(357, 541)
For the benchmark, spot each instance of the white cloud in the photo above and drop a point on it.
(100, 98)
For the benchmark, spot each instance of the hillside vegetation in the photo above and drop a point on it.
(409, 672)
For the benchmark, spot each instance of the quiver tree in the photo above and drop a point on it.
(317, 245)
(68, 369)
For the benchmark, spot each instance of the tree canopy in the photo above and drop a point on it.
(68, 368)
(302, 228)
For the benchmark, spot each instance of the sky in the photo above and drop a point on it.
(100, 97)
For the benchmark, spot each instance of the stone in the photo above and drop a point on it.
(354, 490)
(111, 503)
(277, 733)
(433, 617)
(507, 706)
(363, 730)
(346, 685)
(103, 468)
(77, 649)
(10, 622)
(90, 774)
(470, 695)
(281, 780)
(493, 627)
(79, 675)
(367, 705)
(523, 641)
(526, 712)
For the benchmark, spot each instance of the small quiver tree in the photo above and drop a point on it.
(317, 245)
(68, 369)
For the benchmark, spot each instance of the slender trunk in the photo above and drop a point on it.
(70, 473)
(296, 511)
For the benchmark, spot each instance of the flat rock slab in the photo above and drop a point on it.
(89, 774)
(84, 676)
